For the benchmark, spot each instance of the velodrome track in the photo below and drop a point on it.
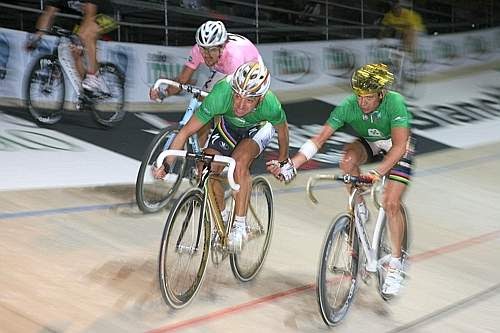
(82, 258)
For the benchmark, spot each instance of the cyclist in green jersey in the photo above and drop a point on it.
(249, 116)
(382, 121)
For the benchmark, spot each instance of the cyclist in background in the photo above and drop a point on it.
(249, 115)
(382, 121)
(404, 23)
(221, 52)
(94, 23)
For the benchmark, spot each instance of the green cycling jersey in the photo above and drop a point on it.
(220, 103)
(377, 125)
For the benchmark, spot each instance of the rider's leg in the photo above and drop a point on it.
(77, 54)
(355, 154)
(392, 205)
(89, 33)
(244, 154)
(399, 178)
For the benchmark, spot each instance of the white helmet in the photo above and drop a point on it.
(251, 79)
(211, 33)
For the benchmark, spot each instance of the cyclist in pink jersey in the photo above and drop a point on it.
(219, 50)
(224, 59)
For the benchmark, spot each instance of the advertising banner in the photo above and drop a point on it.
(301, 66)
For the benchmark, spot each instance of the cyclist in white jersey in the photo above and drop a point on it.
(219, 50)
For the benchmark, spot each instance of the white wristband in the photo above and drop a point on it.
(308, 149)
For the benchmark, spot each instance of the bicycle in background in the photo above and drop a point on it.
(46, 88)
(195, 228)
(404, 67)
(152, 194)
(342, 261)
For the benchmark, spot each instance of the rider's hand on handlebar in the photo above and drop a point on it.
(273, 167)
(372, 176)
(157, 94)
(284, 170)
(161, 172)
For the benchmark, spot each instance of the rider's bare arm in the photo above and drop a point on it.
(400, 136)
(283, 141)
(318, 140)
(191, 127)
(184, 77)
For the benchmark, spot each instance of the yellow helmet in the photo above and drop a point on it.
(371, 78)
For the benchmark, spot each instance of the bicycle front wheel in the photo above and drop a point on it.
(338, 270)
(152, 194)
(384, 252)
(184, 249)
(108, 108)
(260, 220)
(45, 90)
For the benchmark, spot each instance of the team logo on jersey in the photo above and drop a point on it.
(374, 132)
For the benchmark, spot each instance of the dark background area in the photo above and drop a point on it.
(271, 21)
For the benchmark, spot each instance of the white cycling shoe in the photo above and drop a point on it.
(237, 237)
(95, 84)
(394, 278)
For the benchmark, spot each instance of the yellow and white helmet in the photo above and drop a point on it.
(251, 79)
(371, 78)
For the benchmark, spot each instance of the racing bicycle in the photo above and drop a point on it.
(348, 251)
(401, 64)
(195, 229)
(152, 194)
(46, 88)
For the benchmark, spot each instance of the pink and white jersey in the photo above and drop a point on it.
(238, 50)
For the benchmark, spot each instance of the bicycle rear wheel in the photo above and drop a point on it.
(384, 252)
(260, 220)
(45, 90)
(338, 269)
(152, 194)
(184, 249)
(108, 109)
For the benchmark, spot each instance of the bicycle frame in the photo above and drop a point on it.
(194, 103)
(68, 64)
(63, 53)
(206, 183)
(369, 248)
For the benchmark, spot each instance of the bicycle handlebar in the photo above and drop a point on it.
(229, 161)
(185, 87)
(346, 179)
